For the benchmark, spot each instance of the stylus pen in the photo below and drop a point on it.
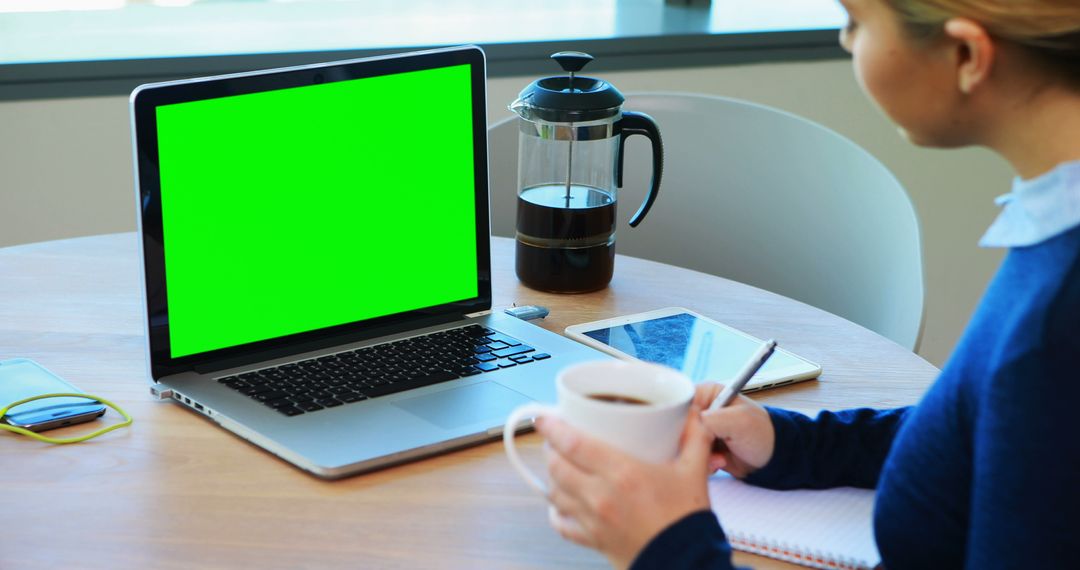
(752, 366)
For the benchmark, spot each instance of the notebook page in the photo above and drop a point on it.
(829, 528)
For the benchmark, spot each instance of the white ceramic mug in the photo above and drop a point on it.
(648, 431)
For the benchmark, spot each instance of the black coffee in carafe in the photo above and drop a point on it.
(571, 135)
(566, 238)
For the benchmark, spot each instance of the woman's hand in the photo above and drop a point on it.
(745, 438)
(605, 499)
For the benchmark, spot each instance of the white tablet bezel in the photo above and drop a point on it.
(805, 371)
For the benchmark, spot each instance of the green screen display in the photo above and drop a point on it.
(293, 210)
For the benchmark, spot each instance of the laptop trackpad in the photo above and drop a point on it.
(458, 407)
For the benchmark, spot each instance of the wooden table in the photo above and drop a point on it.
(175, 491)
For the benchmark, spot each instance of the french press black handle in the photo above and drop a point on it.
(641, 124)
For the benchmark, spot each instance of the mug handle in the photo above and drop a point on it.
(527, 411)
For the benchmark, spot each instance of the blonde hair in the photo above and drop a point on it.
(1050, 29)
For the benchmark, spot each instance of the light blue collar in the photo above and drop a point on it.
(1037, 209)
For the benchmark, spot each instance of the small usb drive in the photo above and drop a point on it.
(528, 312)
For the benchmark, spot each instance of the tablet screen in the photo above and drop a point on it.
(701, 349)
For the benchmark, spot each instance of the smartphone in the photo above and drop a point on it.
(22, 378)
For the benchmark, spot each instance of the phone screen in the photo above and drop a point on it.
(22, 378)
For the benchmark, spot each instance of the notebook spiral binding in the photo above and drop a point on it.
(789, 553)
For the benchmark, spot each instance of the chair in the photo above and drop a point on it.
(766, 198)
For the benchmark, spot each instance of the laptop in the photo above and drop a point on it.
(316, 260)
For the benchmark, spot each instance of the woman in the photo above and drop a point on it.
(985, 471)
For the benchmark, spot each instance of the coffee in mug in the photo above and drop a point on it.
(618, 399)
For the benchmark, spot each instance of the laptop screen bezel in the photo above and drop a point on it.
(144, 102)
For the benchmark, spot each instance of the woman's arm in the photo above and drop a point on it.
(696, 541)
(835, 449)
(780, 449)
(845, 448)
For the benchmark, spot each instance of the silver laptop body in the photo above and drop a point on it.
(221, 304)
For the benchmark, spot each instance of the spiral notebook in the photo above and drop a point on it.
(831, 529)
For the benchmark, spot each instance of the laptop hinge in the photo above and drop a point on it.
(315, 345)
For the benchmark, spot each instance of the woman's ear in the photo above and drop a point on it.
(974, 53)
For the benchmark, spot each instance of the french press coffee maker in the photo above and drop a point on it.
(572, 131)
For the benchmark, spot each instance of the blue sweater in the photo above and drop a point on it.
(984, 472)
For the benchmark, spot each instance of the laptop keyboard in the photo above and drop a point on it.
(373, 371)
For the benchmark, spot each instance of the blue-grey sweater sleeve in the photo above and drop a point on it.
(695, 541)
(835, 449)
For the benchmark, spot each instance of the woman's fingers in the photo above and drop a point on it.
(586, 453)
(606, 499)
(703, 398)
(697, 443)
(726, 422)
(716, 463)
(745, 430)
(569, 528)
(569, 483)
(704, 394)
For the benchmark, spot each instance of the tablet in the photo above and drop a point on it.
(703, 349)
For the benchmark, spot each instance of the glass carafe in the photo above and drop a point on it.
(571, 135)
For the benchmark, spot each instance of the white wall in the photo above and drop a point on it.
(65, 169)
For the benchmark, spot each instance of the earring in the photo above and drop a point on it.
(965, 85)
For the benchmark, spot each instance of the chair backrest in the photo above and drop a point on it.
(764, 197)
